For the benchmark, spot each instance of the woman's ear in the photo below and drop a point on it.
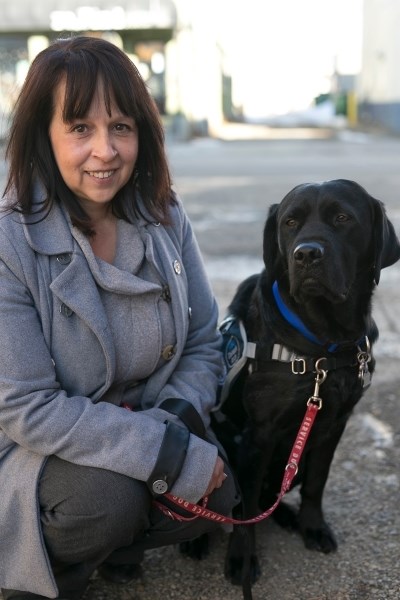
(387, 245)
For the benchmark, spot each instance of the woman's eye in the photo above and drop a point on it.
(80, 128)
(125, 126)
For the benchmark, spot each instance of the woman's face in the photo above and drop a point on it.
(96, 155)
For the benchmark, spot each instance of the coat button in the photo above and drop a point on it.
(166, 293)
(168, 352)
(64, 259)
(159, 486)
(177, 267)
(65, 310)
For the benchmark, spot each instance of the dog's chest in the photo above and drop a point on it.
(276, 403)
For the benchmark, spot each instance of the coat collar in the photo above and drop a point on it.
(38, 225)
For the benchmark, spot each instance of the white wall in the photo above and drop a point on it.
(379, 81)
(193, 65)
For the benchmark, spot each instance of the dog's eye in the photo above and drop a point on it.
(291, 222)
(342, 218)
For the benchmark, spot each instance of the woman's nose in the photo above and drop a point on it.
(103, 146)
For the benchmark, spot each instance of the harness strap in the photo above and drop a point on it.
(285, 360)
(263, 356)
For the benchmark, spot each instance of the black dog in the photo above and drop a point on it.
(324, 247)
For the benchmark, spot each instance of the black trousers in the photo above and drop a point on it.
(92, 515)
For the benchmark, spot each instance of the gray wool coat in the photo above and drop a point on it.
(58, 362)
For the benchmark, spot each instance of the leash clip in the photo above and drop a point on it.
(363, 358)
(319, 380)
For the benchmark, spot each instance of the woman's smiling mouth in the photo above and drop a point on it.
(101, 174)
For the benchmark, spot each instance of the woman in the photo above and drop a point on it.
(105, 313)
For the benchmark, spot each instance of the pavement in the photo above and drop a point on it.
(361, 497)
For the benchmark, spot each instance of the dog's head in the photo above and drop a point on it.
(327, 236)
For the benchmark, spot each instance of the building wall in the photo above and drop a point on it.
(180, 32)
(379, 82)
(194, 70)
(141, 28)
(78, 15)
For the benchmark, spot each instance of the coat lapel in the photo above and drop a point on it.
(74, 286)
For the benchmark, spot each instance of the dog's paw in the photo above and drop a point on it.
(235, 570)
(321, 539)
(286, 517)
(196, 549)
(241, 562)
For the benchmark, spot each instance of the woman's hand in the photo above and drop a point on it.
(218, 477)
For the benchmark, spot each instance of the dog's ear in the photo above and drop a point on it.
(270, 239)
(387, 245)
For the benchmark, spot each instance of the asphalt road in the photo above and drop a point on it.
(227, 186)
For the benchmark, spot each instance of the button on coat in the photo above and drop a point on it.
(168, 352)
(177, 267)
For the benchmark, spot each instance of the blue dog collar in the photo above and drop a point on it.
(296, 322)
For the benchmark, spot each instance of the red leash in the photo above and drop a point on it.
(313, 406)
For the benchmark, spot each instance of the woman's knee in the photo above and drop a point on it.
(86, 507)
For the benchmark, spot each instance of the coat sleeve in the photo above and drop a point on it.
(37, 414)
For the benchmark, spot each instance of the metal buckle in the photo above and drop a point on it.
(316, 400)
(292, 465)
(298, 366)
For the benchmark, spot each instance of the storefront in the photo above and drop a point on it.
(140, 27)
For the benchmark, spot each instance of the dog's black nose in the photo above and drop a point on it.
(308, 253)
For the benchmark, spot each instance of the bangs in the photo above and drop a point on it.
(83, 73)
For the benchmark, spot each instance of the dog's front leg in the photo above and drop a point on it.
(316, 533)
(241, 559)
(241, 562)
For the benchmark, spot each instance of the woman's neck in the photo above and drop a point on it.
(104, 239)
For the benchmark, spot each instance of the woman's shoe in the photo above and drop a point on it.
(119, 573)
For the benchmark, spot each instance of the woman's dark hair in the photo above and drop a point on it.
(82, 61)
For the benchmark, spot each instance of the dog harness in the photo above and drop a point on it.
(260, 356)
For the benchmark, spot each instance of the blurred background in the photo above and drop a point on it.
(212, 62)
(258, 96)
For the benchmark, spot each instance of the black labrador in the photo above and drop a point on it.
(323, 249)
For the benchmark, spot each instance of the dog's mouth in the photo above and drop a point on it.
(310, 287)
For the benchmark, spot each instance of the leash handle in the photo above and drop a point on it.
(291, 469)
